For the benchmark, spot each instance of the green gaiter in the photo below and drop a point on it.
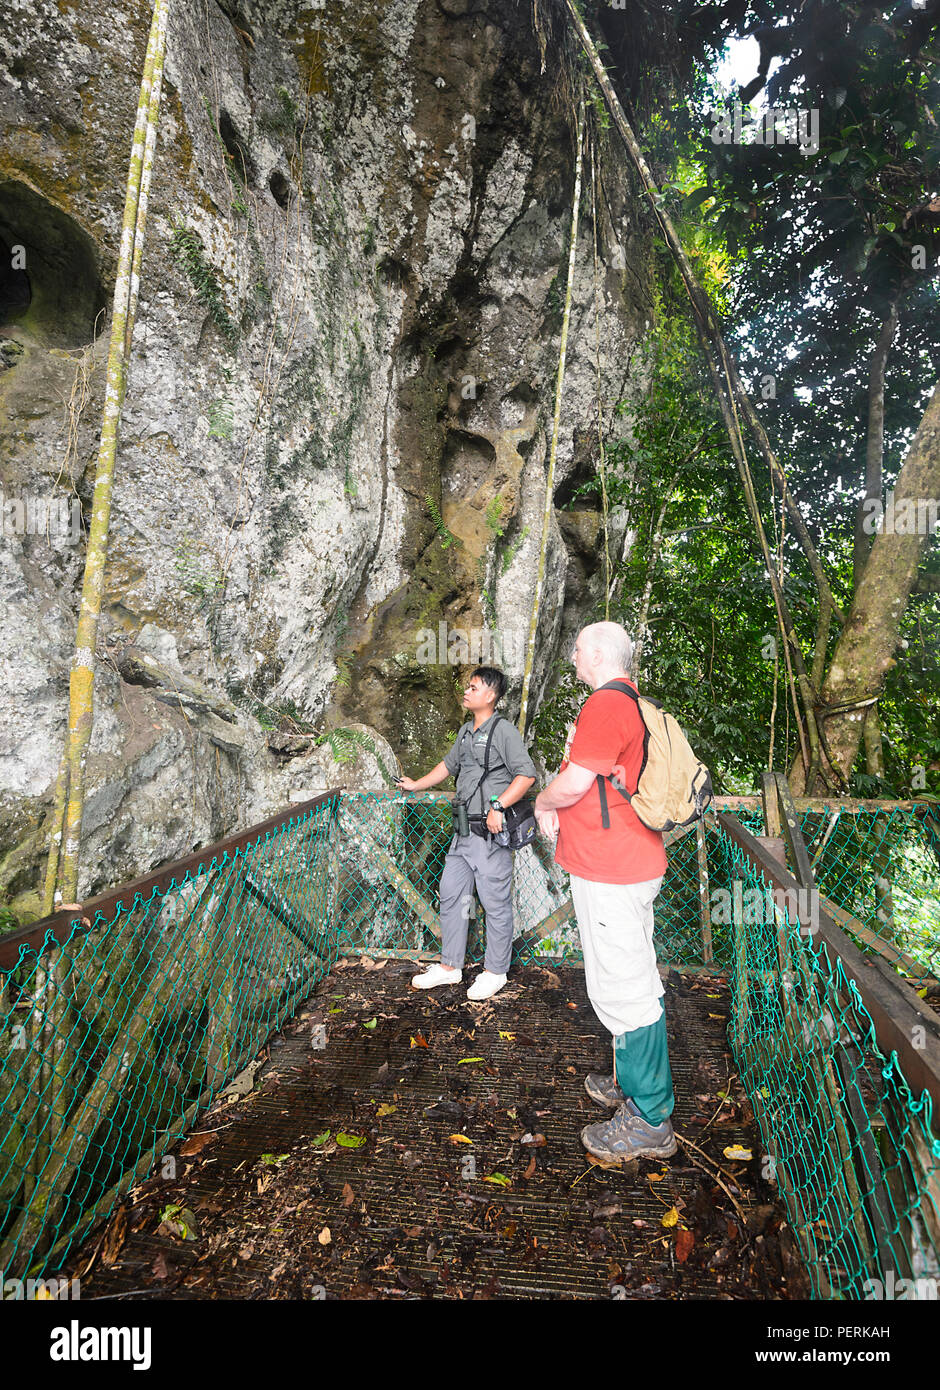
(641, 1059)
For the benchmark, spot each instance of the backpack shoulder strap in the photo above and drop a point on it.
(486, 763)
(489, 741)
(623, 687)
(602, 781)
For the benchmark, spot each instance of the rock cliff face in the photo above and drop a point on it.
(339, 405)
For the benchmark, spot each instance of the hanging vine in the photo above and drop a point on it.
(601, 454)
(553, 451)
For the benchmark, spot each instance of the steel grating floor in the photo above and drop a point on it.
(281, 1211)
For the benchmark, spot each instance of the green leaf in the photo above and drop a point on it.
(350, 1141)
(696, 199)
(371, 1023)
(321, 1139)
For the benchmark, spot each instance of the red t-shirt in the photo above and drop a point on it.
(609, 732)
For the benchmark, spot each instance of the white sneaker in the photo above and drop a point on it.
(486, 985)
(437, 975)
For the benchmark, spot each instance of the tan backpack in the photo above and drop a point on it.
(674, 786)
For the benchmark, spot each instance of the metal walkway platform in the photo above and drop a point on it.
(288, 1204)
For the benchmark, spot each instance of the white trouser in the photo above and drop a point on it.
(616, 925)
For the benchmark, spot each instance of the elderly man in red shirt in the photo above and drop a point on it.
(616, 872)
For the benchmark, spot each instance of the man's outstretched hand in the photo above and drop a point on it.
(407, 784)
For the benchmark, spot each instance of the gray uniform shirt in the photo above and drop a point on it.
(508, 759)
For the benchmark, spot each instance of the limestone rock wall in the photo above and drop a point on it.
(340, 395)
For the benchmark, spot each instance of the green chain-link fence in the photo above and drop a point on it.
(882, 869)
(113, 1039)
(851, 1148)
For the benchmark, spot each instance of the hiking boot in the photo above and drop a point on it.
(604, 1090)
(627, 1136)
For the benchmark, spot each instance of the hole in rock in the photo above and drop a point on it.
(236, 148)
(567, 491)
(280, 188)
(50, 278)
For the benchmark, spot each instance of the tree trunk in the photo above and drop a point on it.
(864, 652)
(875, 438)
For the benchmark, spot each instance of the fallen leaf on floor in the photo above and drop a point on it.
(670, 1217)
(179, 1222)
(367, 963)
(348, 1195)
(196, 1143)
(499, 1179)
(371, 1023)
(685, 1242)
(320, 1139)
(510, 1037)
(161, 1269)
(655, 1177)
(419, 1040)
(538, 1141)
(274, 1160)
(444, 1110)
(464, 1060)
(739, 1152)
(385, 1109)
(324, 1237)
(460, 1139)
(115, 1237)
(350, 1141)
(530, 1168)
(603, 1162)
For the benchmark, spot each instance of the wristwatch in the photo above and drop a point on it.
(494, 802)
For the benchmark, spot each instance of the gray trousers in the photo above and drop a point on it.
(473, 861)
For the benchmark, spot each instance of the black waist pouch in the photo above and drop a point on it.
(519, 825)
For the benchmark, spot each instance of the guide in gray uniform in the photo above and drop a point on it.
(474, 860)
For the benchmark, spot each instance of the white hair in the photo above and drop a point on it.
(613, 642)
